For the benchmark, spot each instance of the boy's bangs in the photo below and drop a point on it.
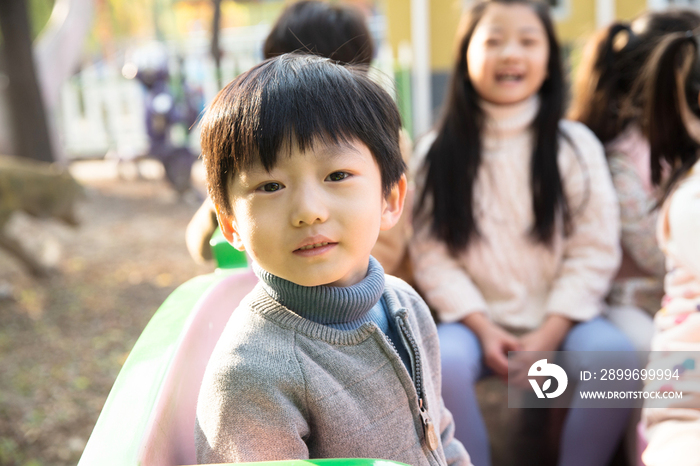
(296, 101)
(327, 108)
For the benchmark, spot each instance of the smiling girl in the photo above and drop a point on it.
(517, 223)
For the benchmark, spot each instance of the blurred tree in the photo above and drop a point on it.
(215, 40)
(39, 14)
(31, 134)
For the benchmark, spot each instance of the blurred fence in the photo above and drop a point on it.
(102, 113)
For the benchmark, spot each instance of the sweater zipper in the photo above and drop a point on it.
(431, 439)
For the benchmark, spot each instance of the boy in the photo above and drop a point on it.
(337, 31)
(326, 357)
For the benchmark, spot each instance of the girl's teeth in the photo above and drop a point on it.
(311, 246)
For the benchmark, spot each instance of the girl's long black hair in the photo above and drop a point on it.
(671, 76)
(452, 163)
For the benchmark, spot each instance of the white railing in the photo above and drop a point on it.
(102, 113)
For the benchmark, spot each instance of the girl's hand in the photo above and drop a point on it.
(548, 337)
(495, 342)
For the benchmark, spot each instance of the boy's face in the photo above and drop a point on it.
(314, 218)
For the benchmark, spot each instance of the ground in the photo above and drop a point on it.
(64, 339)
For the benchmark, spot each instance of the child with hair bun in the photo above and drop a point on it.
(670, 86)
(606, 101)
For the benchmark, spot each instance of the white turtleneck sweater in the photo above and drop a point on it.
(504, 273)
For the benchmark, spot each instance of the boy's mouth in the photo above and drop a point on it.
(315, 249)
(315, 245)
(312, 246)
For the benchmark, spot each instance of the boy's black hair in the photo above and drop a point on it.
(453, 161)
(299, 100)
(605, 99)
(338, 32)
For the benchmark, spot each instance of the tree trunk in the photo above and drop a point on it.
(216, 41)
(26, 106)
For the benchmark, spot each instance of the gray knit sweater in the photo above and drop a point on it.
(281, 386)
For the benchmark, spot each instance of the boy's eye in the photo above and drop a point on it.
(270, 187)
(337, 176)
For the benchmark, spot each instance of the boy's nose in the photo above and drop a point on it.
(309, 207)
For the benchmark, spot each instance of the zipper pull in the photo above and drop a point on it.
(431, 439)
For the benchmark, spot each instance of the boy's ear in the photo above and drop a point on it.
(393, 204)
(228, 227)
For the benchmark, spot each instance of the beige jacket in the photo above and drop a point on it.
(504, 274)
